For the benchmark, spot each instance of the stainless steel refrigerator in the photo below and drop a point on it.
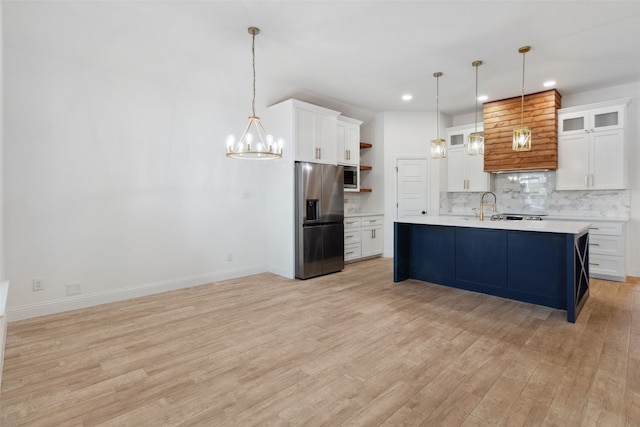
(319, 219)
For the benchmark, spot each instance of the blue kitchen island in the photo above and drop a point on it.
(539, 262)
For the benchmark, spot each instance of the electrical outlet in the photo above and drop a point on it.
(38, 284)
(229, 256)
(73, 289)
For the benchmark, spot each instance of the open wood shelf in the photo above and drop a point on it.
(365, 145)
(365, 190)
(365, 168)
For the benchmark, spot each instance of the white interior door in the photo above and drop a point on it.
(412, 187)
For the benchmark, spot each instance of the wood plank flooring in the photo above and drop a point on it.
(349, 349)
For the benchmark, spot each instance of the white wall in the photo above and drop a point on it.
(409, 134)
(115, 175)
(2, 276)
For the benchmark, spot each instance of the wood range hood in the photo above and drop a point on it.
(540, 115)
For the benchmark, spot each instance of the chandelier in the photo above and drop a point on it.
(476, 139)
(522, 135)
(438, 146)
(262, 147)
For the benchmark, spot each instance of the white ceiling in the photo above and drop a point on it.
(364, 53)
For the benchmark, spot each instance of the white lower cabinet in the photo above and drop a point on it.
(352, 239)
(371, 236)
(363, 237)
(607, 251)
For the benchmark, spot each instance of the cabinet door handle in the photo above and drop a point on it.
(373, 233)
(586, 180)
(319, 152)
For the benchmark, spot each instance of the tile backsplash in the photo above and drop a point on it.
(534, 193)
(351, 203)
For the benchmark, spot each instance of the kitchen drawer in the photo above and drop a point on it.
(606, 245)
(352, 236)
(371, 220)
(608, 228)
(351, 222)
(607, 267)
(352, 251)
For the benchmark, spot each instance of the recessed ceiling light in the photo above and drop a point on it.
(407, 97)
(549, 83)
(483, 98)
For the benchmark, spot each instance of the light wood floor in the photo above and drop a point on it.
(346, 349)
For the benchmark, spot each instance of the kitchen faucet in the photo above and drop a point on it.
(482, 203)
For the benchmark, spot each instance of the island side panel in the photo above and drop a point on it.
(537, 267)
(402, 251)
(577, 274)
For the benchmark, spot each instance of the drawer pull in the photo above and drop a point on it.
(348, 253)
(593, 263)
(348, 237)
(594, 244)
(594, 228)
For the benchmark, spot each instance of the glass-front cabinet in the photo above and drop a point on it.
(602, 118)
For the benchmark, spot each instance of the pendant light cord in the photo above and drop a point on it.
(253, 54)
(522, 98)
(437, 76)
(476, 116)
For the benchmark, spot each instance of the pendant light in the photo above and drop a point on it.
(438, 145)
(265, 147)
(476, 139)
(522, 135)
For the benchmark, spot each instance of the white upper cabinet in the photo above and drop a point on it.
(315, 133)
(591, 147)
(465, 173)
(579, 120)
(348, 141)
(309, 131)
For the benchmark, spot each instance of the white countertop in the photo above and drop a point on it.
(353, 215)
(552, 217)
(544, 226)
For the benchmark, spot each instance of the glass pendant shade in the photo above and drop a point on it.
(522, 134)
(262, 147)
(476, 144)
(438, 145)
(438, 149)
(522, 139)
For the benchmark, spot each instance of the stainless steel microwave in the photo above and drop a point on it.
(350, 177)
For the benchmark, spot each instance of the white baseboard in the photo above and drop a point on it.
(633, 272)
(88, 300)
(4, 292)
